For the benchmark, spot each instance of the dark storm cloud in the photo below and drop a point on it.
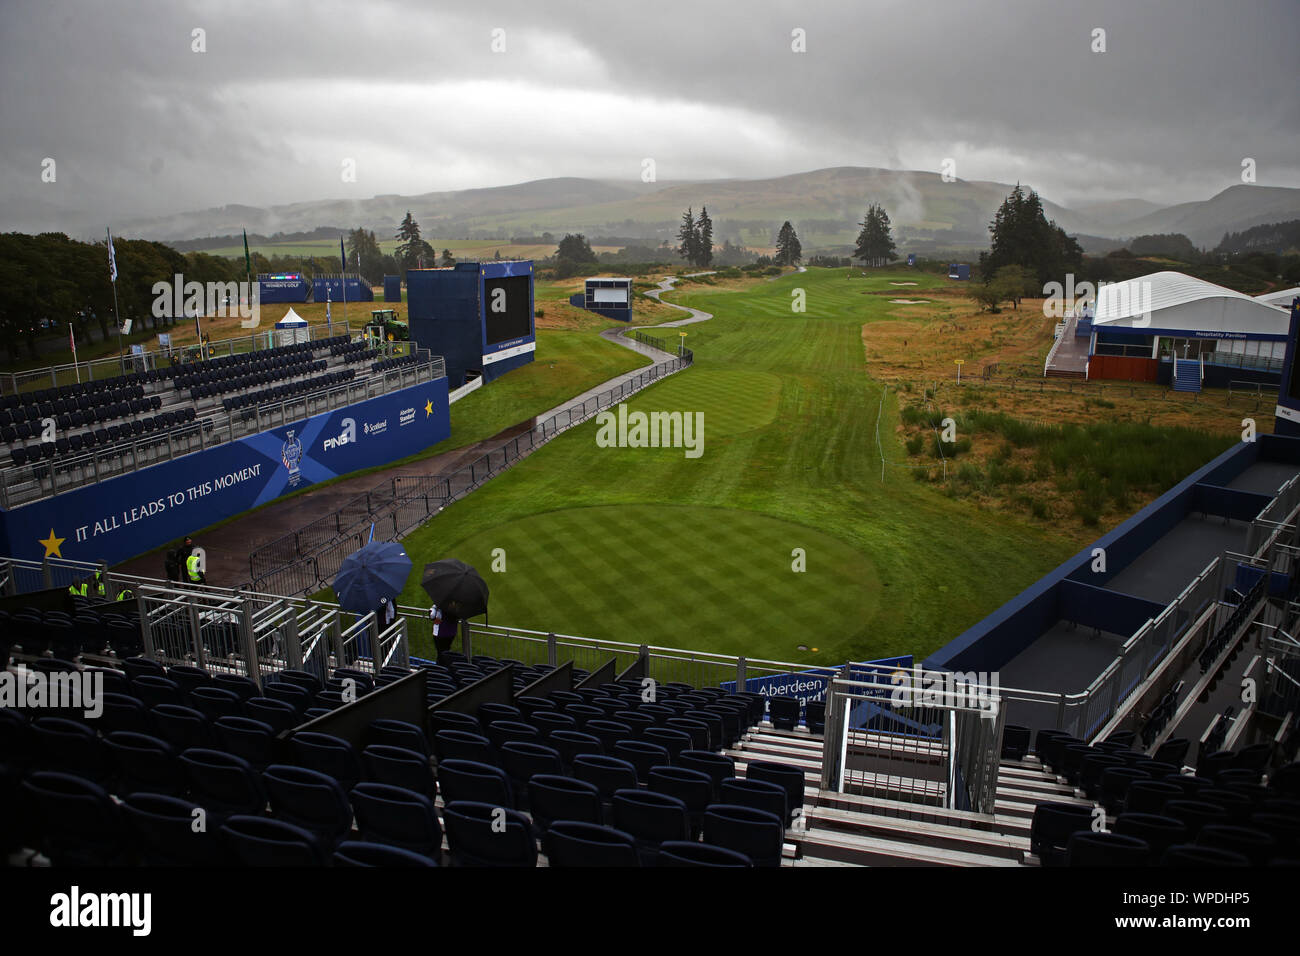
(138, 124)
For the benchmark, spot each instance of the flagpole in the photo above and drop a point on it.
(117, 316)
(72, 340)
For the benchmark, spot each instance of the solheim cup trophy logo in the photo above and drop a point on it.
(291, 454)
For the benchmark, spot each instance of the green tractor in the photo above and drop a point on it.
(393, 330)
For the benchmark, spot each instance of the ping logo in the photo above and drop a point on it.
(346, 437)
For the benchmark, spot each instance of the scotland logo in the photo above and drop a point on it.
(291, 455)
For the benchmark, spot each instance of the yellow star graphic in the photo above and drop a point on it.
(428, 408)
(52, 545)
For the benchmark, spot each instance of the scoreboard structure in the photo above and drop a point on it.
(477, 315)
(610, 296)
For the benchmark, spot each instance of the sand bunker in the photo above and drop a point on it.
(902, 283)
(908, 301)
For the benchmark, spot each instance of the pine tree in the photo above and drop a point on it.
(788, 250)
(704, 239)
(1023, 236)
(875, 246)
(688, 237)
(412, 247)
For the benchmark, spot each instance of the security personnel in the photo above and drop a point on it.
(192, 572)
(125, 594)
(100, 589)
(79, 590)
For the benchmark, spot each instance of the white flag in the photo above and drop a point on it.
(112, 260)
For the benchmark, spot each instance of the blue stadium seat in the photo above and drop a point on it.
(476, 837)
(67, 746)
(328, 755)
(222, 784)
(522, 759)
(642, 755)
(757, 834)
(309, 799)
(153, 690)
(576, 843)
(450, 720)
(162, 832)
(214, 702)
(1051, 828)
(553, 797)
(650, 818)
(397, 733)
(1158, 832)
(609, 732)
(462, 745)
(124, 713)
(718, 766)
(247, 738)
(468, 781)
(357, 853)
(1195, 814)
(260, 841)
(397, 817)
(681, 853)
(784, 712)
(78, 822)
(693, 787)
(143, 764)
(501, 732)
(571, 743)
(1086, 848)
(276, 714)
(398, 768)
(1185, 855)
(607, 774)
(1255, 845)
(758, 794)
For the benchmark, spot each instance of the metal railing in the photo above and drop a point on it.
(941, 751)
(96, 369)
(24, 484)
(308, 559)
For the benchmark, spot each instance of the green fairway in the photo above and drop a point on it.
(646, 544)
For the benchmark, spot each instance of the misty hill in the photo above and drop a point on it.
(1235, 209)
(825, 206)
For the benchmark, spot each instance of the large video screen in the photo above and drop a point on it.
(506, 308)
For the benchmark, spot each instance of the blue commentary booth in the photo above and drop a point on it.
(477, 315)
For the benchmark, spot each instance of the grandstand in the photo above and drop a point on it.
(310, 737)
(144, 430)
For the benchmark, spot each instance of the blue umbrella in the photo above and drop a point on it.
(377, 571)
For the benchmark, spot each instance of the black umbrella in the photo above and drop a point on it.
(456, 588)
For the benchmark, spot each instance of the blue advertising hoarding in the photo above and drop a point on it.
(131, 514)
(333, 289)
(811, 685)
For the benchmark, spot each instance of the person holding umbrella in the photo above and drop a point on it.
(457, 591)
(369, 581)
(445, 627)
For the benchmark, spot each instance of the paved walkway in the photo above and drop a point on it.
(228, 547)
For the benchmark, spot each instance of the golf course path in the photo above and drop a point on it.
(227, 547)
(666, 285)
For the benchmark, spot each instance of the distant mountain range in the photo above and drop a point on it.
(825, 206)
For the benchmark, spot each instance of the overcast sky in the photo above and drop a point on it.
(139, 124)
